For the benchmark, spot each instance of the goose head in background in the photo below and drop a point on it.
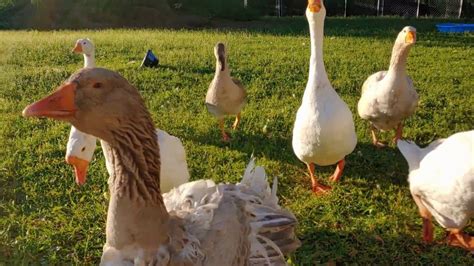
(87, 49)
(406, 37)
(315, 9)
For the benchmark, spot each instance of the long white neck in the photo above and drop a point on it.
(398, 61)
(317, 72)
(89, 60)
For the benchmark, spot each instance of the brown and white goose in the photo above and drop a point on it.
(205, 224)
(226, 95)
(388, 97)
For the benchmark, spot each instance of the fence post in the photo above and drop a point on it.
(383, 5)
(378, 6)
(460, 9)
(418, 9)
(345, 8)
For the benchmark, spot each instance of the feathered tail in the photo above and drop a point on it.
(273, 228)
(414, 154)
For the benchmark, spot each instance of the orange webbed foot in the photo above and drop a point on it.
(320, 189)
(459, 239)
(225, 137)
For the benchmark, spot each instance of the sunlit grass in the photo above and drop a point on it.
(369, 217)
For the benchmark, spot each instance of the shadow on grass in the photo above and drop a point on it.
(382, 166)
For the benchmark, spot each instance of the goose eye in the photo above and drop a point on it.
(84, 43)
(97, 85)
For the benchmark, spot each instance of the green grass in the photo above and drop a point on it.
(368, 218)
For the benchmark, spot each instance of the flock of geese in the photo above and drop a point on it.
(157, 217)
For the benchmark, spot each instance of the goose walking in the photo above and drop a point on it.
(205, 224)
(226, 95)
(324, 131)
(441, 178)
(389, 97)
(81, 146)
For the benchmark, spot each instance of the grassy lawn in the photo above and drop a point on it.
(45, 218)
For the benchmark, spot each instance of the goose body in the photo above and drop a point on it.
(81, 146)
(197, 223)
(389, 97)
(441, 178)
(226, 95)
(324, 131)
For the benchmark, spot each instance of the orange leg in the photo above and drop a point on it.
(375, 140)
(458, 239)
(338, 172)
(426, 216)
(317, 187)
(236, 122)
(398, 133)
(225, 137)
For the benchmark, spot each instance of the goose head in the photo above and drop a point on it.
(96, 101)
(406, 37)
(84, 46)
(315, 10)
(220, 54)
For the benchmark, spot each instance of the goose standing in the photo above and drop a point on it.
(442, 184)
(324, 130)
(207, 224)
(81, 146)
(388, 97)
(226, 95)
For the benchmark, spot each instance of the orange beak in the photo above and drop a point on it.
(80, 168)
(314, 5)
(77, 48)
(58, 105)
(411, 37)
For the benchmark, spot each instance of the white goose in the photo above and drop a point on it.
(388, 97)
(442, 184)
(324, 130)
(198, 223)
(81, 146)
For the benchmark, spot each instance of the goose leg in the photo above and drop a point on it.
(375, 140)
(458, 239)
(225, 137)
(316, 186)
(236, 122)
(398, 132)
(338, 172)
(426, 216)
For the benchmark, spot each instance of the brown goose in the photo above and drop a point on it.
(226, 95)
(198, 223)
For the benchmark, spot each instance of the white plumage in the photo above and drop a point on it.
(442, 178)
(389, 97)
(324, 131)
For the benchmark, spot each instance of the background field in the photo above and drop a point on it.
(369, 217)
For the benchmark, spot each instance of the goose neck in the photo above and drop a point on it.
(221, 68)
(398, 60)
(89, 60)
(133, 156)
(317, 73)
